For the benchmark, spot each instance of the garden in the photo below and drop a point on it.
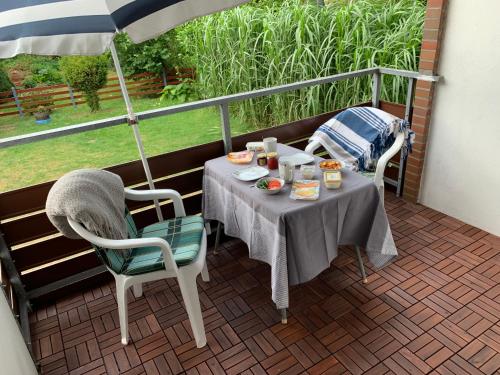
(261, 44)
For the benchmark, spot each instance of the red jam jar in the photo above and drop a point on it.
(272, 160)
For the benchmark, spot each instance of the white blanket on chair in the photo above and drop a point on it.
(91, 197)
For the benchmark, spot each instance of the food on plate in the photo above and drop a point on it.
(330, 164)
(269, 184)
(242, 157)
(305, 189)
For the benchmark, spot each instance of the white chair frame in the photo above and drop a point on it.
(186, 275)
(378, 180)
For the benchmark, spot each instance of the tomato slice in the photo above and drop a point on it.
(273, 184)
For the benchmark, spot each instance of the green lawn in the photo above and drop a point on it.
(47, 160)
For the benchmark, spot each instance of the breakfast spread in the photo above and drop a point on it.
(330, 165)
(242, 157)
(262, 159)
(272, 160)
(305, 190)
(307, 171)
(255, 146)
(332, 179)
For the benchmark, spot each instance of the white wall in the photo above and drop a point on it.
(462, 168)
(14, 356)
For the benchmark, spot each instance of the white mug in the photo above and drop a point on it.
(270, 144)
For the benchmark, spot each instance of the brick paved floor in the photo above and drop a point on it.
(434, 310)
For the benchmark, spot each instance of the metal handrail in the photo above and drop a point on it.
(222, 102)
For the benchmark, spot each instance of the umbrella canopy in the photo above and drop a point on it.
(87, 27)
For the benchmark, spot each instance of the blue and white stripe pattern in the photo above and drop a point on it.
(358, 136)
(87, 27)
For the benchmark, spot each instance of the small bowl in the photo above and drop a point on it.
(323, 165)
(269, 191)
(308, 171)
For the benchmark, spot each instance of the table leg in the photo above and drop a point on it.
(361, 265)
(284, 319)
(217, 237)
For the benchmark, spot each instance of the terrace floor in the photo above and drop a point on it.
(436, 309)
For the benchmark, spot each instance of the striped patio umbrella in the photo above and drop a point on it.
(87, 27)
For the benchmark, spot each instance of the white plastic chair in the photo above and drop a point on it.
(186, 275)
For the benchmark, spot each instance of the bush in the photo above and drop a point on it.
(46, 75)
(182, 92)
(261, 45)
(87, 74)
(29, 83)
(154, 56)
(35, 70)
(5, 83)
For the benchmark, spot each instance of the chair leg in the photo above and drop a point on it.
(137, 288)
(121, 296)
(284, 316)
(361, 265)
(204, 273)
(189, 290)
(217, 237)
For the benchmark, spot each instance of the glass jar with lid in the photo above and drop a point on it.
(272, 160)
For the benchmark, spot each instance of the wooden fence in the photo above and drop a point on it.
(47, 261)
(24, 101)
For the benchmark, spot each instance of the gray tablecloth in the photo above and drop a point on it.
(298, 239)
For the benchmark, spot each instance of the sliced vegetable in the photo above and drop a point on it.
(269, 184)
(273, 184)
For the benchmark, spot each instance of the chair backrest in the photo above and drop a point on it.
(118, 259)
(358, 136)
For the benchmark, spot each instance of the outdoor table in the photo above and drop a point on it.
(297, 238)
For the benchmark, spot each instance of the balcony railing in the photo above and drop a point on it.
(39, 263)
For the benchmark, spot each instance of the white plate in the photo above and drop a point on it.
(298, 158)
(251, 173)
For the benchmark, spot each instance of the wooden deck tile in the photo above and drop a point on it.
(435, 310)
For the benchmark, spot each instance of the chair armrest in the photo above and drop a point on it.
(117, 244)
(312, 146)
(149, 195)
(384, 159)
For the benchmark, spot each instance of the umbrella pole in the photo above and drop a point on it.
(132, 120)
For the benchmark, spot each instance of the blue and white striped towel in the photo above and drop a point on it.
(359, 136)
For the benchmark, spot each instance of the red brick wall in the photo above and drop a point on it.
(429, 59)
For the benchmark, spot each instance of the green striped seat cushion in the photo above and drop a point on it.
(184, 234)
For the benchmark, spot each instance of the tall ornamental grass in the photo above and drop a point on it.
(252, 47)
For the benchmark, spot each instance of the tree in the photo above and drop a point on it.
(86, 74)
(155, 55)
